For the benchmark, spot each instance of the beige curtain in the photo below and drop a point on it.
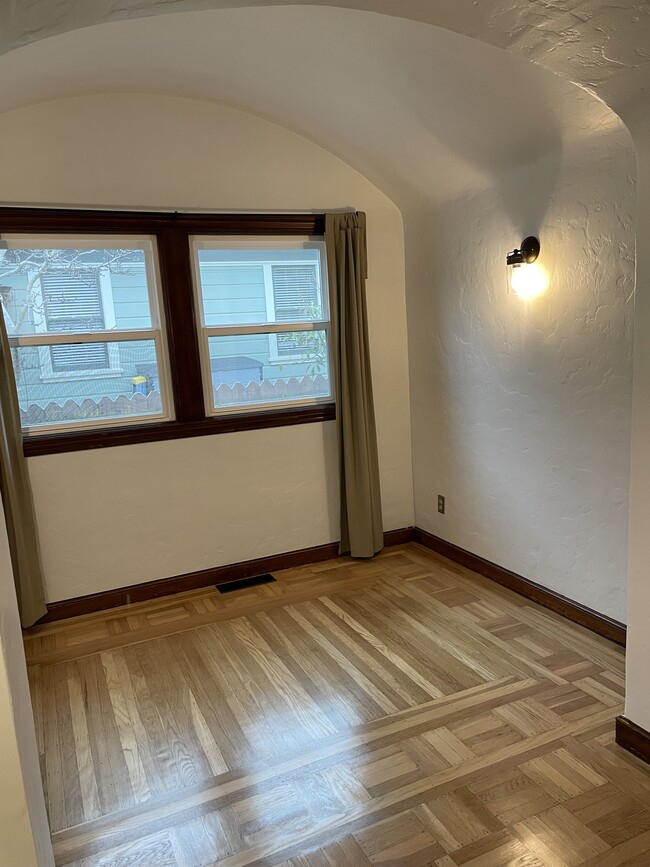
(17, 495)
(361, 524)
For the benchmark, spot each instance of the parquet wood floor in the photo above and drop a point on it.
(401, 711)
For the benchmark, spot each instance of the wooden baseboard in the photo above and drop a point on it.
(633, 738)
(205, 578)
(399, 537)
(574, 611)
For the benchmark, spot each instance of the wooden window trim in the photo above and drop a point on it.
(73, 220)
(102, 438)
(173, 231)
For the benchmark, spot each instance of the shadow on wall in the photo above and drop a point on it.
(521, 412)
(527, 209)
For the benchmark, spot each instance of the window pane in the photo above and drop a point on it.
(65, 291)
(251, 287)
(129, 386)
(247, 369)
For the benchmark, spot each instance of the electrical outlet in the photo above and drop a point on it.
(441, 504)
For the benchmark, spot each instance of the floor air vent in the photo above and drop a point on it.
(231, 586)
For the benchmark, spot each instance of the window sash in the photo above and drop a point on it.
(272, 327)
(146, 243)
(99, 424)
(234, 331)
(259, 243)
(108, 335)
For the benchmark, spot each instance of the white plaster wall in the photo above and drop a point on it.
(521, 411)
(637, 701)
(137, 513)
(374, 105)
(24, 831)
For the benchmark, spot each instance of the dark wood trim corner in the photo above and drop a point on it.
(574, 611)
(399, 537)
(633, 738)
(205, 578)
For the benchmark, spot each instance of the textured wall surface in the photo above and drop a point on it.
(121, 516)
(601, 46)
(521, 410)
(416, 140)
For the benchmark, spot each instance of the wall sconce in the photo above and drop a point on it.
(525, 278)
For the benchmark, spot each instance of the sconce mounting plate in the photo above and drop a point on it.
(527, 253)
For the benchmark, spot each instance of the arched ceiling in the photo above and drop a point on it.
(419, 109)
(603, 46)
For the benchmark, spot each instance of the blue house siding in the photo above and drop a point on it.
(233, 295)
(131, 299)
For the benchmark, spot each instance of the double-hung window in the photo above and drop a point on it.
(132, 327)
(263, 314)
(84, 320)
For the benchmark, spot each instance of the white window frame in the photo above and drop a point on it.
(271, 327)
(42, 339)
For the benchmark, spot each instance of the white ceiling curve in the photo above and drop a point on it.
(418, 109)
(603, 46)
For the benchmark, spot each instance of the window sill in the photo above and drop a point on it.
(75, 441)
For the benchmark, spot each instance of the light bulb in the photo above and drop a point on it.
(528, 281)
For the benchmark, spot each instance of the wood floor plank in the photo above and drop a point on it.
(387, 677)
(352, 666)
(84, 758)
(126, 729)
(455, 633)
(205, 679)
(289, 690)
(174, 751)
(435, 662)
(428, 688)
(284, 699)
(296, 654)
(148, 723)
